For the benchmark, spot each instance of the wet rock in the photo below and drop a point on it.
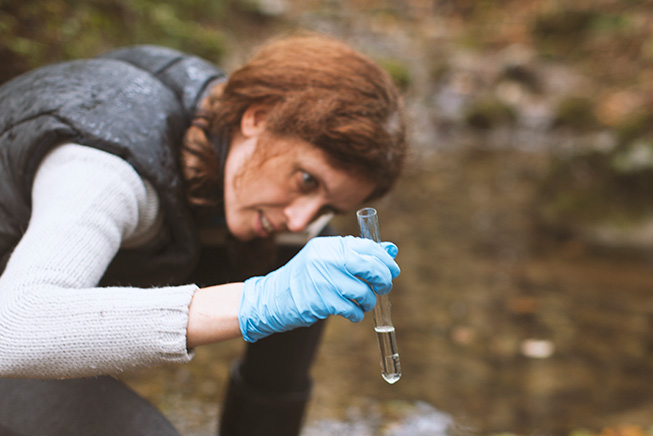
(489, 113)
(601, 196)
(576, 112)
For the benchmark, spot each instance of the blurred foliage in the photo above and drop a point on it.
(581, 34)
(399, 72)
(35, 33)
(573, 33)
(587, 37)
(561, 32)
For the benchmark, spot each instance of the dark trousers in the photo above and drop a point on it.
(267, 393)
(84, 407)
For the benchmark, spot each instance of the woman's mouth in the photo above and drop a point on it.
(265, 224)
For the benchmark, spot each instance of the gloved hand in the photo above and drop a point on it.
(329, 276)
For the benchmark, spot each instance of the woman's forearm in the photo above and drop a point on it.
(213, 314)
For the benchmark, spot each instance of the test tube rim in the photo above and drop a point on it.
(366, 212)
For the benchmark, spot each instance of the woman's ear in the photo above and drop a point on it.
(252, 122)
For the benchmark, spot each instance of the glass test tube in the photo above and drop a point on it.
(368, 222)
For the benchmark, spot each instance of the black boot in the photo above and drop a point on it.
(249, 411)
(269, 390)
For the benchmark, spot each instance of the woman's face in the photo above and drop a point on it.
(277, 184)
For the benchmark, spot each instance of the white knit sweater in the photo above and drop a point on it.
(54, 320)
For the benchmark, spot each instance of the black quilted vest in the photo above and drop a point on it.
(135, 103)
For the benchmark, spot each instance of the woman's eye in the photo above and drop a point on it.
(308, 181)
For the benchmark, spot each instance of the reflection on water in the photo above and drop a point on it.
(497, 329)
(390, 419)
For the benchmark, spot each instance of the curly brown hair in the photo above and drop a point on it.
(316, 89)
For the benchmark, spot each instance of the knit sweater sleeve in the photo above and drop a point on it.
(54, 320)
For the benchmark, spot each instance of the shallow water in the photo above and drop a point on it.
(499, 328)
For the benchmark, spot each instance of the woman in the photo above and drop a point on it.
(100, 211)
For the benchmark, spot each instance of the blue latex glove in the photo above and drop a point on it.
(329, 276)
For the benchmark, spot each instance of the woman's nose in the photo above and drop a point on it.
(300, 213)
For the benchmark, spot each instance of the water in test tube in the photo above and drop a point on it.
(368, 221)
